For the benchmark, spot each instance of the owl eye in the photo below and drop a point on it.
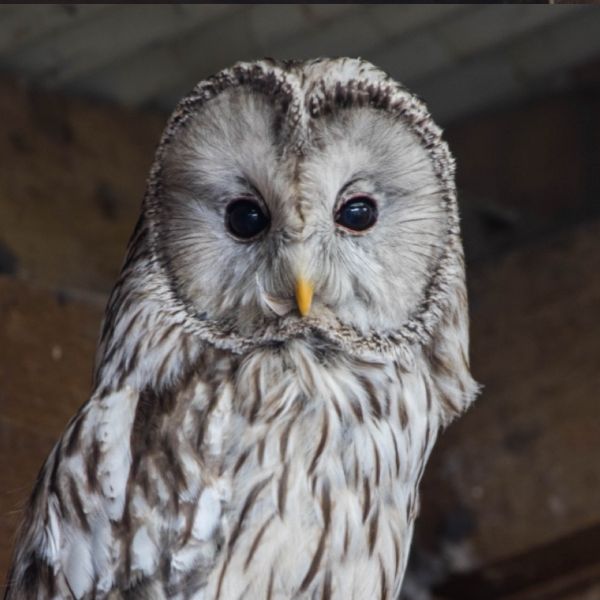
(245, 218)
(358, 213)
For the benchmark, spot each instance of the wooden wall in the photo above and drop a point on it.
(509, 485)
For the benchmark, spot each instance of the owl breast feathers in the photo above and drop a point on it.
(287, 336)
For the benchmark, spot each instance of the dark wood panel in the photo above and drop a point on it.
(73, 176)
(520, 469)
(559, 570)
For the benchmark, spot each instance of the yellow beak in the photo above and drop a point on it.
(304, 295)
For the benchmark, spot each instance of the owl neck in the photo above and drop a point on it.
(334, 447)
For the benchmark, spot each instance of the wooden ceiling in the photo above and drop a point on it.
(460, 58)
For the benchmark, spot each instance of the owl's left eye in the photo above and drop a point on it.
(357, 214)
(245, 218)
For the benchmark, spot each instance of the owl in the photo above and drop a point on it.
(288, 334)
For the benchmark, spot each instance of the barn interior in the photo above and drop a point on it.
(510, 503)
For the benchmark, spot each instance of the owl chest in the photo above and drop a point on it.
(321, 496)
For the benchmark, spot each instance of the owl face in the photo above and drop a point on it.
(272, 214)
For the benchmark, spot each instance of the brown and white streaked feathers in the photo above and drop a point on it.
(232, 448)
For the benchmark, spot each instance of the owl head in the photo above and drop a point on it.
(306, 198)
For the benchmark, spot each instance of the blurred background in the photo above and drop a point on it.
(511, 497)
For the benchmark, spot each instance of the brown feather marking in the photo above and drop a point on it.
(396, 452)
(166, 333)
(257, 396)
(212, 403)
(174, 470)
(250, 500)
(377, 463)
(427, 393)
(313, 485)
(143, 437)
(373, 529)
(367, 494)
(129, 363)
(316, 560)
(270, 586)
(282, 489)
(260, 451)
(346, 538)
(248, 503)
(53, 481)
(408, 506)
(91, 465)
(284, 440)
(396, 556)
(402, 414)
(384, 589)
(131, 323)
(275, 413)
(372, 396)
(336, 406)
(160, 372)
(78, 505)
(74, 440)
(185, 351)
(425, 447)
(357, 410)
(388, 406)
(221, 577)
(326, 594)
(322, 441)
(256, 541)
(190, 511)
(241, 460)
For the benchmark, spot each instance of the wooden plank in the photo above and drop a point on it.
(540, 176)
(563, 567)
(73, 176)
(176, 64)
(110, 36)
(162, 73)
(397, 21)
(47, 344)
(512, 70)
(23, 24)
(445, 43)
(519, 470)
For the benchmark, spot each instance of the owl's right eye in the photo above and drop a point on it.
(245, 219)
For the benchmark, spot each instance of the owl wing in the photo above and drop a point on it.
(122, 503)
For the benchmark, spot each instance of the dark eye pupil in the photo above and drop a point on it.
(357, 214)
(245, 219)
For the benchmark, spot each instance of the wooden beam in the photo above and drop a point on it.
(21, 25)
(519, 470)
(110, 36)
(443, 44)
(565, 566)
(513, 70)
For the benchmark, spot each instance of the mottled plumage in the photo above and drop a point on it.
(232, 448)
